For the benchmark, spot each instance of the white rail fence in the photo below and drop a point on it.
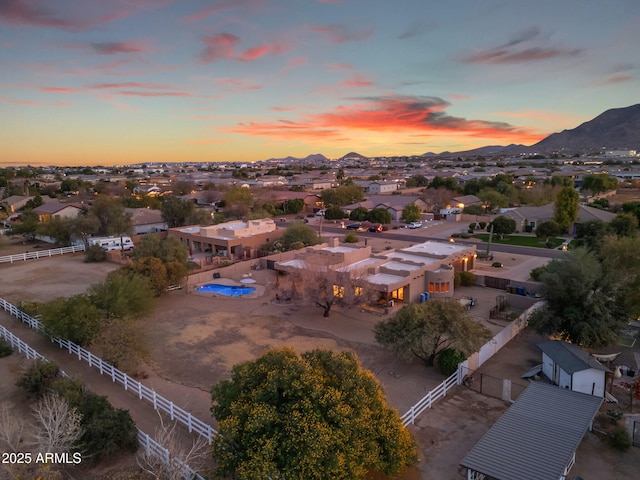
(477, 359)
(141, 391)
(145, 441)
(41, 254)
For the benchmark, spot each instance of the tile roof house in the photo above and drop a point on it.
(50, 210)
(535, 215)
(15, 202)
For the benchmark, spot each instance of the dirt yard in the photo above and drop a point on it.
(194, 340)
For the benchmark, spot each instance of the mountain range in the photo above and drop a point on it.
(614, 129)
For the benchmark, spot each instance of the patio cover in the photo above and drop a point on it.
(536, 438)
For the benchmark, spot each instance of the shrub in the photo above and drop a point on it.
(473, 226)
(528, 228)
(448, 360)
(615, 415)
(470, 231)
(619, 439)
(38, 376)
(5, 350)
(455, 235)
(467, 279)
(457, 280)
(465, 235)
(482, 225)
(351, 238)
(537, 272)
(95, 253)
(496, 265)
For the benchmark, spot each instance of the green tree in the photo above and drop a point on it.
(154, 270)
(624, 225)
(111, 216)
(566, 207)
(27, 226)
(548, 229)
(168, 250)
(315, 416)
(358, 214)
(334, 213)
(599, 183)
(590, 234)
(177, 212)
(237, 202)
(342, 195)
(632, 207)
(38, 376)
(76, 319)
(295, 205)
(503, 226)
(493, 199)
(474, 210)
(411, 213)
(379, 215)
(351, 238)
(122, 295)
(299, 232)
(450, 183)
(60, 229)
(581, 304)
(423, 330)
(620, 256)
(417, 181)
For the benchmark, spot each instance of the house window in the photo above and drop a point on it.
(338, 291)
(398, 294)
(357, 291)
(439, 287)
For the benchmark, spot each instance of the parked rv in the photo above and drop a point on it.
(112, 243)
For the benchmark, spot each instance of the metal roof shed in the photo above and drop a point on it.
(536, 438)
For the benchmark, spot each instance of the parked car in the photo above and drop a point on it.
(354, 226)
(375, 228)
(415, 225)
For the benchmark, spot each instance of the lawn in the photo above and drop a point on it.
(521, 240)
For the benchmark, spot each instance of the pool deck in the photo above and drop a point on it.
(257, 293)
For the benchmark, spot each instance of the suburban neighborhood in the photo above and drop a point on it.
(478, 240)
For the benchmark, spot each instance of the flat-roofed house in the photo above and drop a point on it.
(237, 239)
(403, 275)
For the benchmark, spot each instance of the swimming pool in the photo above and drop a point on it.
(228, 290)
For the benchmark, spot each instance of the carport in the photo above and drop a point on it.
(536, 438)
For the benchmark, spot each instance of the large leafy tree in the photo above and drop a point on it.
(565, 212)
(167, 250)
(548, 229)
(76, 318)
(358, 214)
(315, 416)
(596, 184)
(624, 225)
(379, 215)
(621, 257)
(422, 330)
(581, 301)
(299, 233)
(343, 195)
(123, 294)
(503, 225)
(411, 213)
(590, 234)
(111, 216)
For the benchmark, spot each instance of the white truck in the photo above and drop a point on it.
(112, 243)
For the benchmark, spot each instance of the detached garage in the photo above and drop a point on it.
(536, 438)
(568, 366)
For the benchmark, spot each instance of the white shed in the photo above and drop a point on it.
(568, 366)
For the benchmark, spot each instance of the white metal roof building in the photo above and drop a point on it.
(536, 438)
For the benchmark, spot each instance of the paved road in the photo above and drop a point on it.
(409, 236)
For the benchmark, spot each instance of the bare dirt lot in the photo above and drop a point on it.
(194, 340)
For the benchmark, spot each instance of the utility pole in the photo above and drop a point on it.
(489, 242)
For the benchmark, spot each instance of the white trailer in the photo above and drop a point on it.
(112, 243)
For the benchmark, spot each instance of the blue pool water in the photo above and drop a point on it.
(227, 290)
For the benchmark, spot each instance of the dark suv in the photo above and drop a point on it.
(354, 226)
(375, 228)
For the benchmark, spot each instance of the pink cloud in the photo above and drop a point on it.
(222, 6)
(404, 114)
(237, 84)
(617, 78)
(132, 46)
(336, 67)
(151, 86)
(261, 50)
(60, 89)
(77, 15)
(218, 47)
(5, 99)
(134, 93)
(357, 81)
(341, 33)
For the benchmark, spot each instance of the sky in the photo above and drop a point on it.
(95, 82)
